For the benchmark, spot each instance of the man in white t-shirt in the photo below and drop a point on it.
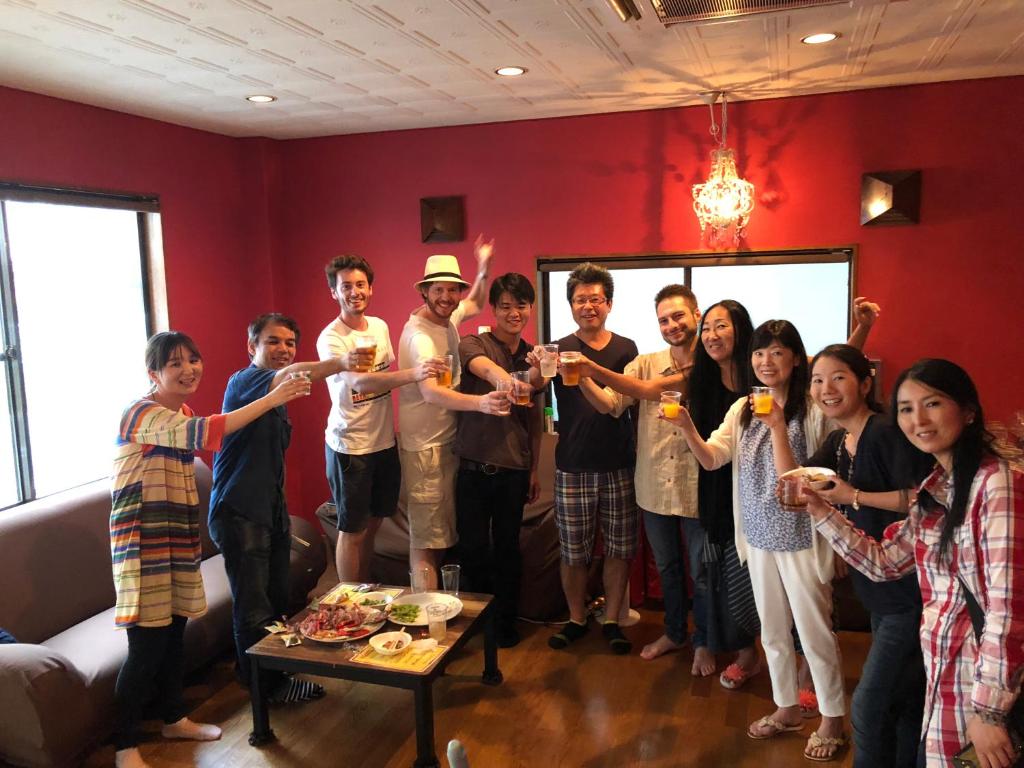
(362, 461)
(426, 411)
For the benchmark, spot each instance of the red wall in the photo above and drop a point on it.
(952, 285)
(248, 224)
(216, 253)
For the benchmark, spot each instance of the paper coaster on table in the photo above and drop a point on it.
(411, 660)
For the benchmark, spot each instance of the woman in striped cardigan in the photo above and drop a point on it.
(154, 534)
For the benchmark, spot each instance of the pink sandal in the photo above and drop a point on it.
(808, 703)
(736, 676)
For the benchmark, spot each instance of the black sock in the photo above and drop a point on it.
(571, 632)
(619, 643)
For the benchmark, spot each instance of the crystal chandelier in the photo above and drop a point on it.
(723, 203)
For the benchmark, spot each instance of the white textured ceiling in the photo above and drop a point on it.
(348, 66)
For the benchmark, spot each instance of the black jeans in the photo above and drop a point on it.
(888, 703)
(489, 513)
(155, 666)
(256, 559)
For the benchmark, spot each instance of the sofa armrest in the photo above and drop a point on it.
(47, 719)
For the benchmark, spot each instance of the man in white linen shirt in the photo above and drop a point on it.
(666, 471)
(426, 412)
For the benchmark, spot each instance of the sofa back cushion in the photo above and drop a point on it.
(55, 559)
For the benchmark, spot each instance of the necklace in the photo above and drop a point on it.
(840, 448)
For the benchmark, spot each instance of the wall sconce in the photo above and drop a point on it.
(442, 220)
(723, 203)
(890, 197)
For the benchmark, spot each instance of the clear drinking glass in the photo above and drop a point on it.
(437, 621)
(450, 578)
(548, 360)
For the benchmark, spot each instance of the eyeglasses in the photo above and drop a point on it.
(594, 301)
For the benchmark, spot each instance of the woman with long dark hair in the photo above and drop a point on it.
(155, 536)
(790, 567)
(871, 490)
(964, 536)
(720, 376)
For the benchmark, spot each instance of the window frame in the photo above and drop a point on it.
(154, 298)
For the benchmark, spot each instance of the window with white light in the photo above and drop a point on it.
(77, 308)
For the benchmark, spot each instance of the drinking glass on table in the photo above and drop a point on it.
(450, 578)
(437, 621)
(420, 579)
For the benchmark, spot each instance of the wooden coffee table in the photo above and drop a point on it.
(327, 660)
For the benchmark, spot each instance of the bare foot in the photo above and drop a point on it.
(660, 647)
(703, 662)
(782, 719)
(186, 729)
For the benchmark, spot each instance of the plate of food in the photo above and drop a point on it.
(816, 478)
(341, 623)
(411, 610)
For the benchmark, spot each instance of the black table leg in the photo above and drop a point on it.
(261, 731)
(492, 675)
(426, 757)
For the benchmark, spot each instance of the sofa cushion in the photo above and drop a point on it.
(47, 713)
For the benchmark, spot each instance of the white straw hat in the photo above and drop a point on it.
(442, 268)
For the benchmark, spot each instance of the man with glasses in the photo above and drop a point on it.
(594, 466)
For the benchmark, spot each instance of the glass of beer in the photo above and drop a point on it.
(505, 385)
(763, 400)
(522, 387)
(366, 353)
(548, 354)
(444, 378)
(570, 368)
(670, 404)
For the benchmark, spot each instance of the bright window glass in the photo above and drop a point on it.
(8, 469)
(78, 288)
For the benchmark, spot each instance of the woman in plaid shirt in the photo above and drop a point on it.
(967, 523)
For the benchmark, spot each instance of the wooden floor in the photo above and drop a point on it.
(582, 708)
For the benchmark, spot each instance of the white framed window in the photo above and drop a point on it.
(81, 289)
(810, 288)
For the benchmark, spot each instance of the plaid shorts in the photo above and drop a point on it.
(582, 499)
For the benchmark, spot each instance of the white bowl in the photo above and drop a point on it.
(401, 641)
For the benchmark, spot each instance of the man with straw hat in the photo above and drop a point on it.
(426, 412)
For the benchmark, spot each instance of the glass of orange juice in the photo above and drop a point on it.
(763, 400)
(670, 404)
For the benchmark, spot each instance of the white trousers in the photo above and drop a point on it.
(787, 591)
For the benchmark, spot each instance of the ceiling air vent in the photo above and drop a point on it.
(682, 11)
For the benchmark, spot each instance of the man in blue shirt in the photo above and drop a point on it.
(248, 514)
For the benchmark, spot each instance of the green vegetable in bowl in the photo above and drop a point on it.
(406, 613)
(373, 603)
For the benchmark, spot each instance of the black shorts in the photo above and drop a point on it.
(363, 485)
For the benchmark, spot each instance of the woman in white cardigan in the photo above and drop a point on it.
(790, 565)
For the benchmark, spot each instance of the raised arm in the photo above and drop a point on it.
(865, 313)
(474, 301)
(636, 388)
(286, 391)
(716, 451)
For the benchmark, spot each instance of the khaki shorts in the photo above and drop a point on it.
(428, 490)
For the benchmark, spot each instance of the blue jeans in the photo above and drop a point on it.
(888, 703)
(256, 559)
(667, 535)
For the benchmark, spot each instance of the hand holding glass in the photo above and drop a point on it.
(522, 387)
(763, 401)
(444, 378)
(548, 354)
(670, 404)
(570, 368)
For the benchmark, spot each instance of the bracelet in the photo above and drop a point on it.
(856, 499)
(988, 717)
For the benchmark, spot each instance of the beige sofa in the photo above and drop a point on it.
(57, 598)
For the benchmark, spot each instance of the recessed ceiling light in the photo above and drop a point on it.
(261, 98)
(819, 38)
(510, 71)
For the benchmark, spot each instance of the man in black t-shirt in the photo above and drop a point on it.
(594, 466)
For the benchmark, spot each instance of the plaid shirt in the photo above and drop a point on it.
(983, 554)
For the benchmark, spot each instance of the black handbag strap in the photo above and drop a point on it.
(973, 609)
